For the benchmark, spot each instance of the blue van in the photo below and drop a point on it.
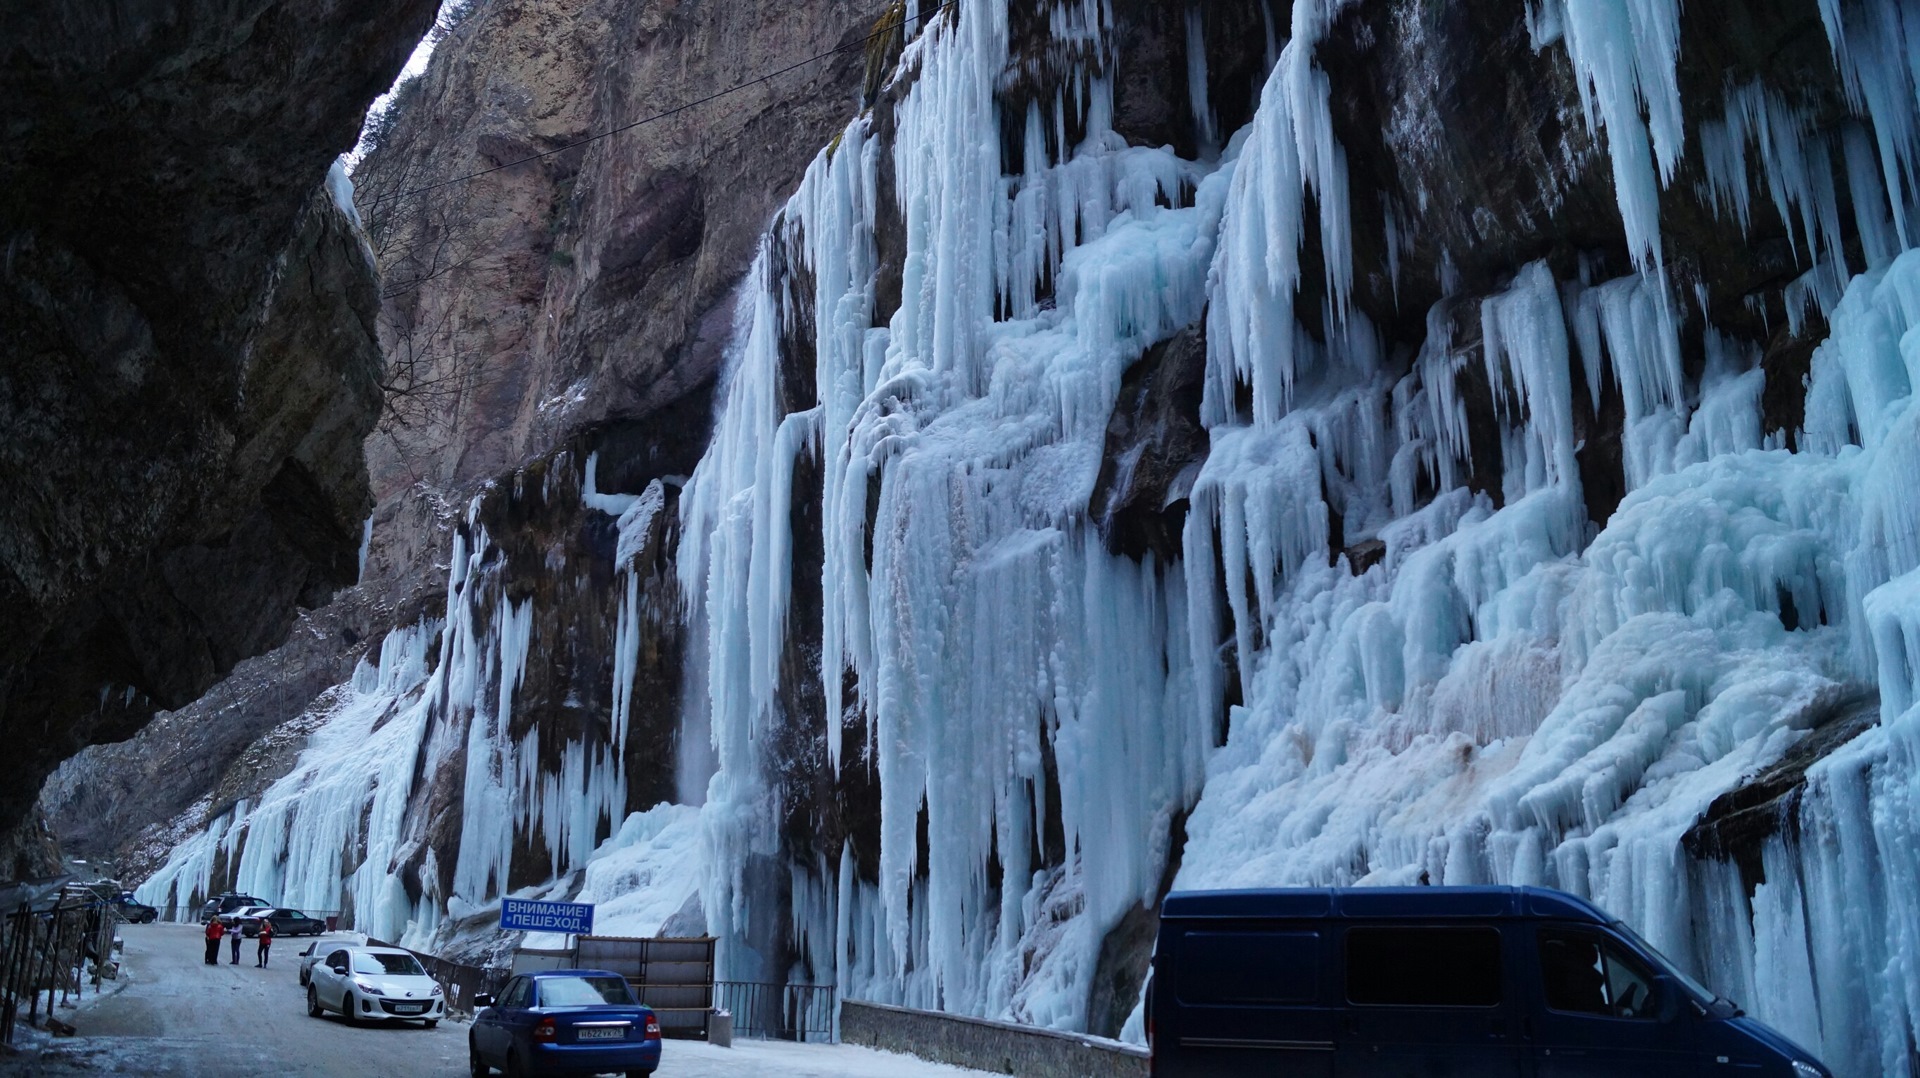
(1467, 982)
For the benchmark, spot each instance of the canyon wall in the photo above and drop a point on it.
(190, 364)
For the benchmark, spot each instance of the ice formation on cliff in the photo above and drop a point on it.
(1509, 694)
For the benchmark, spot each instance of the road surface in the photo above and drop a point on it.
(171, 1014)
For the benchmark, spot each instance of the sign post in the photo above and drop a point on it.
(571, 918)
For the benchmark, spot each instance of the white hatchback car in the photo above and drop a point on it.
(368, 983)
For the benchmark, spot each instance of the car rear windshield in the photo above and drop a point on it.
(583, 991)
(393, 965)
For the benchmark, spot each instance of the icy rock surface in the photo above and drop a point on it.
(1507, 696)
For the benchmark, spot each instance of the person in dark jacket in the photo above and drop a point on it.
(266, 942)
(234, 935)
(214, 931)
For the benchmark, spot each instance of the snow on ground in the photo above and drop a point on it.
(694, 1059)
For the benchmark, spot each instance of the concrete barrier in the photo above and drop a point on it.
(983, 1044)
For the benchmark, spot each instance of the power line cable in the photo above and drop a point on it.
(879, 32)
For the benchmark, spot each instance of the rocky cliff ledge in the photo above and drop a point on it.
(189, 363)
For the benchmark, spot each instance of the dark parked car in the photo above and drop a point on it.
(286, 922)
(564, 1021)
(227, 902)
(137, 912)
(1394, 981)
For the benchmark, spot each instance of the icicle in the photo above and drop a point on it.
(1623, 56)
(1251, 330)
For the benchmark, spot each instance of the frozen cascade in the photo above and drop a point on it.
(991, 619)
(342, 831)
(1506, 696)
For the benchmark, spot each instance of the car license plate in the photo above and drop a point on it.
(408, 1008)
(602, 1034)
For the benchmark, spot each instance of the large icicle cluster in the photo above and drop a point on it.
(986, 627)
(1506, 695)
(347, 829)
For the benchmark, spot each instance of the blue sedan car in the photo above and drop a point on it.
(564, 1021)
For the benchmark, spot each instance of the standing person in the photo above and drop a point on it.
(233, 934)
(214, 931)
(266, 942)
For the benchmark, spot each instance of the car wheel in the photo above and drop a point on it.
(304, 979)
(430, 1023)
(313, 1002)
(515, 1069)
(639, 1074)
(350, 1008)
(476, 1066)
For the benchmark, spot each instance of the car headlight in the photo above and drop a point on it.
(1807, 1070)
(368, 989)
(436, 990)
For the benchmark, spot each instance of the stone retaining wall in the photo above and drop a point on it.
(982, 1044)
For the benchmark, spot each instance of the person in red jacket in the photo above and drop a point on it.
(266, 942)
(214, 931)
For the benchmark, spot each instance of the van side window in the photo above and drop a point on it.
(1249, 967)
(1423, 967)
(1585, 974)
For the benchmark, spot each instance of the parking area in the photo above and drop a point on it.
(172, 1014)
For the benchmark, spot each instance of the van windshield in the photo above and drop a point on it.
(1701, 993)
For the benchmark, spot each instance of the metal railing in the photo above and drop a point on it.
(46, 951)
(785, 1012)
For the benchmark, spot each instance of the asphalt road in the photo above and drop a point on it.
(175, 1015)
(171, 1014)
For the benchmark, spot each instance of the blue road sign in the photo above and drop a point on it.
(574, 918)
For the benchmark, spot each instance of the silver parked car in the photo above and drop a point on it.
(373, 983)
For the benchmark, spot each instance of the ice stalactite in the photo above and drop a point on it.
(1876, 46)
(1621, 328)
(1623, 55)
(1290, 152)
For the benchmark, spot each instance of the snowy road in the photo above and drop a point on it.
(178, 1016)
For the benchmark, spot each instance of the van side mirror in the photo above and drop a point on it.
(484, 999)
(1667, 1000)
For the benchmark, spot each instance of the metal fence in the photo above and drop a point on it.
(786, 1012)
(674, 976)
(52, 949)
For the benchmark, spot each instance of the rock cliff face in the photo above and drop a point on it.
(190, 362)
(532, 318)
(591, 285)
